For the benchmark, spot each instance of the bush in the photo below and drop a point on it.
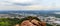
(49, 25)
(8, 21)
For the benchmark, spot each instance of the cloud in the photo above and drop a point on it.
(27, 7)
(4, 3)
(22, 4)
(29, 4)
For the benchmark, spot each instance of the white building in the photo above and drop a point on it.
(53, 20)
(42, 18)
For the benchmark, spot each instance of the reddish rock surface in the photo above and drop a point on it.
(32, 23)
(26, 23)
(36, 22)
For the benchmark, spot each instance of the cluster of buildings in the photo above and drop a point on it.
(10, 16)
(50, 20)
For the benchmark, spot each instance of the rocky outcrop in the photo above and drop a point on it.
(27, 23)
(32, 23)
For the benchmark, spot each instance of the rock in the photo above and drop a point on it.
(43, 23)
(17, 25)
(36, 22)
(27, 23)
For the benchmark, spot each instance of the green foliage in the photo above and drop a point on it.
(4, 24)
(49, 25)
(8, 21)
(12, 22)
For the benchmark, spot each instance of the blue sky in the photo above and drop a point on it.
(29, 4)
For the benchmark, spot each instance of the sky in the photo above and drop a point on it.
(29, 4)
